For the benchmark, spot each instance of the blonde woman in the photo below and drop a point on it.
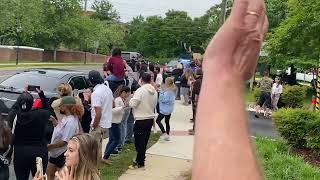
(166, 105)
(63, 131)
(82, 160)
(185, 87)
(64, 89)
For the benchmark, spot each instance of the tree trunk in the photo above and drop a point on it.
(54, 55)
(223, 12)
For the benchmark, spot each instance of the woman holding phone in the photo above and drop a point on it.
(28, 127)
(81, 146)
(63, 131)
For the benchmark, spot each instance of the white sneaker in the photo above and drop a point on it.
(167, 137)
(162, 137)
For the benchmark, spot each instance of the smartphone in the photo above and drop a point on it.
(76, 93)
(39, 165)
(33, 88)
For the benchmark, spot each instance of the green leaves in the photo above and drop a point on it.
(297, 36)
(104, 11)
(170, 36)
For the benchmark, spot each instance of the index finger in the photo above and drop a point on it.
(255, 13)
(239, 10)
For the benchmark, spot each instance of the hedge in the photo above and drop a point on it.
(292, 96)
(300, 127)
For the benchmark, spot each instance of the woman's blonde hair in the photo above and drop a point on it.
(89, 157)
(75, 109)
(188, 73)
(64, 89)
(169, 84)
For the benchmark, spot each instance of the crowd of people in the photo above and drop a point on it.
(222, 141)
(73, 122)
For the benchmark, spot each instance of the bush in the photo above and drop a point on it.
(294, 96)
(313, 135)
(300, 127)
(256, 93)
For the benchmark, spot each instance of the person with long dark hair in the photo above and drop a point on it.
(28, 126)
(5, 150)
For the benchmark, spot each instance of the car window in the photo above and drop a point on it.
(125, 56)
(20, 81)
(78, 83)
(173, 63)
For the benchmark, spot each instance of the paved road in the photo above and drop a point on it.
(258, 127)
(7, 73)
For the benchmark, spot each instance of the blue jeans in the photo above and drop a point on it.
(123, 128)
(114, 78)
(114, 138)
(130, 124)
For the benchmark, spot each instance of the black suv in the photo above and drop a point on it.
(47, 79)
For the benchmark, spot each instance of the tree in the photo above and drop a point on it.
(297, 36)
(20, 15)
(111, 36)
(59, 27)
(277, 11)
(105, 11)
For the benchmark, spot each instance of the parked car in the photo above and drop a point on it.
(132, 58)
(47, 79)
(171, 65)
(303, 76)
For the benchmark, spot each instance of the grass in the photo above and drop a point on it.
(249, 96)
(24, 64)
(280, 164)
(121, 162)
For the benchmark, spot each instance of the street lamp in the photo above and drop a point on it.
(19, 29)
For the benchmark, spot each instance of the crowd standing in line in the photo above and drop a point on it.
(222, 145)
(126, 115)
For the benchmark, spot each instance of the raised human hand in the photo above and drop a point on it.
(236, 46)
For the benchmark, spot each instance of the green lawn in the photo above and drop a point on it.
(23, 65)
(280, 164)
(121, 162)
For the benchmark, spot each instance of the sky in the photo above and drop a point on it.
(132, 8)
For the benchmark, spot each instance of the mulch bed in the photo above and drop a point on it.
(308, 155)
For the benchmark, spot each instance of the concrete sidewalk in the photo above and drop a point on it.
(169, 160)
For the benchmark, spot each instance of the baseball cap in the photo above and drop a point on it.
(95, 77)
(68, 100)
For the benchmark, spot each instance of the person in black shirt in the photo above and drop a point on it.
(29, 136)
(86, 118)
(185, 86)
(177, 73)
(195, 96)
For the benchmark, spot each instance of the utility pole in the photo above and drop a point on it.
(85, 5)
(223, 12)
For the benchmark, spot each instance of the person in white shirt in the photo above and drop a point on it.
(159, 78)
(120, 106)
(276, 93)
(143, 103)
(101, 106)
(63, 132)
